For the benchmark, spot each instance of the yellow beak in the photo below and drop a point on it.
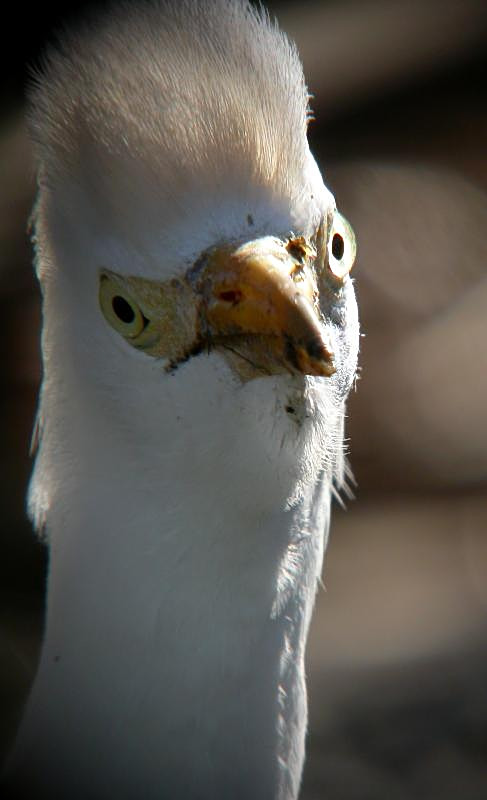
(261, 296)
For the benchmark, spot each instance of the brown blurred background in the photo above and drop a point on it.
(398, 653)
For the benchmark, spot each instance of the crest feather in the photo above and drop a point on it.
(182, 90)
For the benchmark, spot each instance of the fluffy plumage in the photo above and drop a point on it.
(174, 106)
(186, 510)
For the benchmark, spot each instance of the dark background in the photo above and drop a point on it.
(398, 655)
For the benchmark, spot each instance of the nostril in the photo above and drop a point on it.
(232, 296)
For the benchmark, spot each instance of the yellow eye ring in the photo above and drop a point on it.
(120, 309)
(341, 247)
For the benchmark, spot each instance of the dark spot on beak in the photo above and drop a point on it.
(232, 296)
(297, 249)
(250, 220)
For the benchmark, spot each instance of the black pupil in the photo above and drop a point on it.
(123, 310)
(337, 246)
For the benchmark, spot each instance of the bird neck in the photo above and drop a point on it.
(175, 636)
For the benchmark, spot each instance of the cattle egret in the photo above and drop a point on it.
(199, 340)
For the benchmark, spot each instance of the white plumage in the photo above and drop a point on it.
(185, 466)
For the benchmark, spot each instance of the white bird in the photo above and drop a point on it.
(199, 340)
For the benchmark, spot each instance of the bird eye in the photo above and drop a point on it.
(341, 247)
(120, 309)
(337, 246)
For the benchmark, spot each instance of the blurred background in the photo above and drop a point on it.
(397, 660)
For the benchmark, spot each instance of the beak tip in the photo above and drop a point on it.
(318, 351)
(320, 358)
(312, 358)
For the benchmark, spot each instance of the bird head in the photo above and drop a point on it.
(194, 266)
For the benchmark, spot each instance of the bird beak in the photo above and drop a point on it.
(260, 301)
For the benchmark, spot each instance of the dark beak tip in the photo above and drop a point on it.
(310, 358)
(318, 351)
